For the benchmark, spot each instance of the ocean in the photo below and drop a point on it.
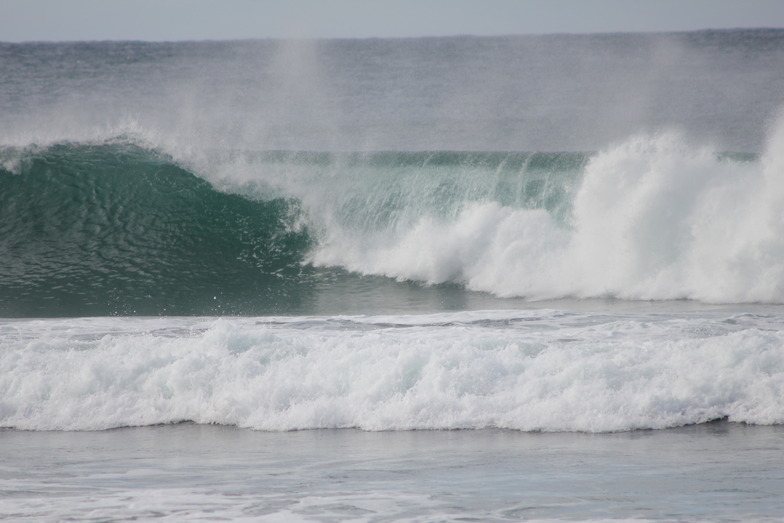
(426, 279)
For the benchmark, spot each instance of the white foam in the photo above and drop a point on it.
(548, 371)
(654, 218)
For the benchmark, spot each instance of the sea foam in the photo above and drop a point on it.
(654, 217)
(525, 370)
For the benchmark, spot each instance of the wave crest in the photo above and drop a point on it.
(652, 218)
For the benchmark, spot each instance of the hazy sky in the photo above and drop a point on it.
(26, 20)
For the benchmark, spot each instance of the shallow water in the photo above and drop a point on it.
(719, 471)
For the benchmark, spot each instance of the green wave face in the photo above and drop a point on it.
(113, 228)
(117, 229)
(384, 191)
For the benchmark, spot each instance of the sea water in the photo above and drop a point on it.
(713, 472)
(419, 279)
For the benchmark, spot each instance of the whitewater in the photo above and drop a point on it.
(526, 370)
(654, 218)
(423, 279)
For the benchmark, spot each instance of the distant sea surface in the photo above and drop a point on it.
(497, 278)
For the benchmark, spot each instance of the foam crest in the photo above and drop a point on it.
(657, 218)
(538, 372)
(654, 218)
(483, 239)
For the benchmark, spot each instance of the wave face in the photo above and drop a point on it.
(117, 229)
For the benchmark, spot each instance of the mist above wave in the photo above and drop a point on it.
(533, 93)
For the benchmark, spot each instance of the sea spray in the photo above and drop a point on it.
(653, 217)
(657, 218)
(647, 210)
